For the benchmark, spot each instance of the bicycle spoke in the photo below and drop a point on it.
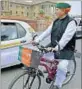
(27, 81)
(23, 82)
(32, 81)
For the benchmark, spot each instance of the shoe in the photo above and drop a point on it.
(54, 87)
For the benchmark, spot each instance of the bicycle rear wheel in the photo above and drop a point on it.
(71, 71)
(26, 81)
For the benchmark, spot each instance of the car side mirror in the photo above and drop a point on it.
(34, 36)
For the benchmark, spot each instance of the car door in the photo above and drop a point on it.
(12, 35)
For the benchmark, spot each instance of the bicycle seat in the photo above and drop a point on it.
(48, 56)
(49, 60)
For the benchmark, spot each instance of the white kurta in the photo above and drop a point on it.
(68, 34)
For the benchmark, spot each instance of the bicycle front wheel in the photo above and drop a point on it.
(26, 81)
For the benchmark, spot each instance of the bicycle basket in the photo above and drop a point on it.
(28, 57)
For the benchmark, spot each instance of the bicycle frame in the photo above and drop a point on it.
(50, 69)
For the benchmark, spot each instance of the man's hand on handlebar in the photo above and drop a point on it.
(50, 49)
(34, 42)
(40, 47)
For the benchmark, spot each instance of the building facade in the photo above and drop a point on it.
(5, 8)
(26, 10)
(0, 7)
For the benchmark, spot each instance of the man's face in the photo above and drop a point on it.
(59, 12)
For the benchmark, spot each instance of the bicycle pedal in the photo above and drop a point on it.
(48, 80)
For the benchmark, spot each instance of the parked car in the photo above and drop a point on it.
(79, 30)
(13, 34)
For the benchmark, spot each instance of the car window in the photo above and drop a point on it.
(80, 24)
(8, 31)
(21, 31)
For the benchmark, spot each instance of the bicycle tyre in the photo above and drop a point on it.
(22, 74)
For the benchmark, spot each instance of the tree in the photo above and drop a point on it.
(41, 12)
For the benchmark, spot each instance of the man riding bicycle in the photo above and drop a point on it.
(63, 30)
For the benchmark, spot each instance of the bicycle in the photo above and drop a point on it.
(32, 75)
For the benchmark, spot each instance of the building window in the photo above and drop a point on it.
(49, 6)
(22, 13)
(1, 13)
(34, 13)
(2, 5)
(27, 7)
(27, 13)
(16, 12)
(22, 7)
(10, 12)
(10, 5)
(17, 6)
(42, 6)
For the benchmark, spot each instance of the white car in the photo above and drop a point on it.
(13, 34)
(79, 30)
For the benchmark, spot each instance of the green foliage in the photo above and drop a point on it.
(41, 11)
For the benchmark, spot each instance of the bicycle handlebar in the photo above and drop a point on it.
(43, 49)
